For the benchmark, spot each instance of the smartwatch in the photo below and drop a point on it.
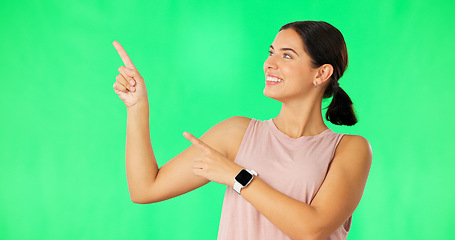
(243, 179)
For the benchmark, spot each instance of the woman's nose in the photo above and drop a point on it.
(270, 63)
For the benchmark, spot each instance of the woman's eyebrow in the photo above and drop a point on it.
(284, 49)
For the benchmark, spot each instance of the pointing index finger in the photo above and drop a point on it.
(199, 144)
(126, 60)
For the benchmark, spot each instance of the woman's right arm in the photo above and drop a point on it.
(146, 182)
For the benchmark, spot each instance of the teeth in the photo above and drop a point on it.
(274, 79)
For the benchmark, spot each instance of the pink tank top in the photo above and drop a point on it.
(295, 167)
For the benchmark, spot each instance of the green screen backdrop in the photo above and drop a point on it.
(63, 129)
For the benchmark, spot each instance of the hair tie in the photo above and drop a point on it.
(336, 85)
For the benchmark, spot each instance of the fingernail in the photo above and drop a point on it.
(117, 91)
(132, 89)
(132, 82)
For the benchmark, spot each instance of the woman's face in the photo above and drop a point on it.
(288, 70)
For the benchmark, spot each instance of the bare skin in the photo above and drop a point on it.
(211, 158)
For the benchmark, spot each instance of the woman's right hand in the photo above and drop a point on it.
(129, 84)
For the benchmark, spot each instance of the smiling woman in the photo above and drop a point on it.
(289, 177)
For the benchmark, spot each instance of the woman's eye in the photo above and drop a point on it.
(284, 55)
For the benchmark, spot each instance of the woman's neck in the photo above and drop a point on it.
(300, 119)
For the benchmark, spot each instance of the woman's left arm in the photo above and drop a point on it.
(335, 201)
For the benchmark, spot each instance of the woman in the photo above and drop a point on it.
(289, 177)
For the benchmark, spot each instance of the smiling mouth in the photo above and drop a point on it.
(272, 80)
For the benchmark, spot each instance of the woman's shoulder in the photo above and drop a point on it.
(228, 128)
(355, 140)
(238, 123)
(357, 145)
(229, 133)
(238, 119)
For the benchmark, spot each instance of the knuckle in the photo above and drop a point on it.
(120, 69)
(118, 86)
(135, 72)
(207, 162)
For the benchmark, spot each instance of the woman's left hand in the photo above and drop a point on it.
(211, 164)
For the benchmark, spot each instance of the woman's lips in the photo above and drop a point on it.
(272, 80)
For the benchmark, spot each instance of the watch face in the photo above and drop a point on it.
(244, 177)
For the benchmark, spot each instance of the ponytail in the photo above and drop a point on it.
(340, 111)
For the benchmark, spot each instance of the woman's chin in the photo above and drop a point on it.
(271, 94)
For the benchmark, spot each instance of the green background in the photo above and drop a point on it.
(63, 129)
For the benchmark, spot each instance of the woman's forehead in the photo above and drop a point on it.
(288, 38)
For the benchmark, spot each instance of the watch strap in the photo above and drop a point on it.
(237, 187)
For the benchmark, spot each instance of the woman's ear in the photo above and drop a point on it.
(324, 73)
